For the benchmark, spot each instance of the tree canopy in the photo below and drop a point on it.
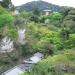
(5, 17)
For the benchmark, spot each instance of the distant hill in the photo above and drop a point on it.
(41, 5)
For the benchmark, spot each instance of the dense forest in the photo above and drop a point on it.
(52, 34)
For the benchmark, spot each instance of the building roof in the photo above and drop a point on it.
(35, 59)
(28, 61)
(25, 67)
(18, 69)
(14, 71)
(32, 60)
(47, 10)
(40, 55)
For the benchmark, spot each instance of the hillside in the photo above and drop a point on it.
(41, 5)
(24, 34)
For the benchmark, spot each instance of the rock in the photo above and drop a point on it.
(6, 45)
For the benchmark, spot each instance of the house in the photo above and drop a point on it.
(18, 69)
(47, 12)
(35, 58)
(25, 66)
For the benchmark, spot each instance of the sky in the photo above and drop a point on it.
(70, 3)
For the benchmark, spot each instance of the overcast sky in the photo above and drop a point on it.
(70, 3)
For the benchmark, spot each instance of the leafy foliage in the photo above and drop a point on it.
(56, 18)
(56, 39)
(5, 18)
(58, 64)
(12, 33)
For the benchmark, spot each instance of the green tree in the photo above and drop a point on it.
(69, 20)
(65, 10)
(12, 33)
(36, 11)
(5, 17)
(56, 19)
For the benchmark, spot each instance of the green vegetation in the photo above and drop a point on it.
(56, 44)
(5, 17)
(54, 38)
(61, 64)
(41, 5)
